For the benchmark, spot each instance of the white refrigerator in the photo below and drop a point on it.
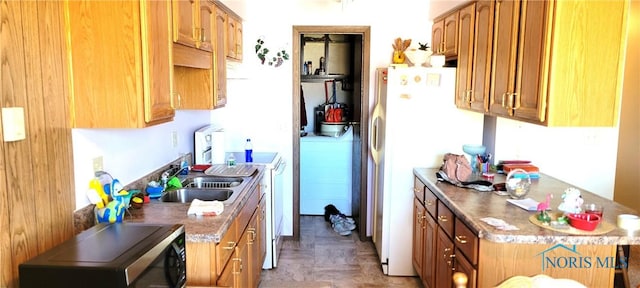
(413, 124)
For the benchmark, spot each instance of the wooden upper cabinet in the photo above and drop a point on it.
(234, 37)
(192, 23)
(451, 35)
(505, 44)
(231, 37)
(119, 63)
(475, 25)
(207, 15)
(483, 44)
(444, 35)
(437, 36)
(464, 73)
(185, 22)
(546, 67)
(220, 60)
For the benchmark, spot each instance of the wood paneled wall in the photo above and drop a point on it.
(36, 175)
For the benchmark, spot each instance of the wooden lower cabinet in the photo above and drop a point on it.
(429, 252)
(442, 246)
(449, 245)
(464, 266)
(444, 259)
(236, 261)
(418, 236)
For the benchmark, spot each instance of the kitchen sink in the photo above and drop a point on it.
(205, 188)
(211, 182)
(186, 195)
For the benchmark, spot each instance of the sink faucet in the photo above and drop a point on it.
(172, 172)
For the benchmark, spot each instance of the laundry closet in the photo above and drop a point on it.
(329, 113)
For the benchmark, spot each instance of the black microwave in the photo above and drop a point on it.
(112, 255)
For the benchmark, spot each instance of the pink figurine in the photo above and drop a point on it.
(542, 206)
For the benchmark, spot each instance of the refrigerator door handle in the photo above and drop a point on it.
(373, 136)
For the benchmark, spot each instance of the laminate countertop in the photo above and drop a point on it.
(197, 228)
(470, 206)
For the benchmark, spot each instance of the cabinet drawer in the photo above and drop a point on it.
(225, 248)
(466, 241)
(430, 201)
(247, 211)
(445, 218)
(418, 189)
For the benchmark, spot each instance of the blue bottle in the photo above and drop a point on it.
(248, 151)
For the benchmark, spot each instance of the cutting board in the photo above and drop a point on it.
(223, 170)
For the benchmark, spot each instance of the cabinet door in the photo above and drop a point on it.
(529, 98)
(120, 64)
(451, 35)
(238, 43)
(262, 232)
(444, 259)
(418, 235)
(429, 252)
(158, 67)
(437, 36)
(231, 37)
(243, 255)
(462, 265)
(481, 76)
(206, 25)
(464, 96)
(185, 19)
(220, 60)
(503, 64)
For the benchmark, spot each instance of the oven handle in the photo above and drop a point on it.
(280, 168)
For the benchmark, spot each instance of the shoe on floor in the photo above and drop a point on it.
(339, 225)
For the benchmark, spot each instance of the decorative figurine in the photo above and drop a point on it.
(571, 201)
(542, 208)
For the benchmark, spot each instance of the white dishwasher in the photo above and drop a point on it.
(326, 173)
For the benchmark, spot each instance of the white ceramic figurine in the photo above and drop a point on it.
(571, 201)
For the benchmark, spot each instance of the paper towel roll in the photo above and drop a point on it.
(217, 147)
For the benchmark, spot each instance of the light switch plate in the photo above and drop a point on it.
(13, 124)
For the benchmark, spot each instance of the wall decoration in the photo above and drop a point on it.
(263, 54)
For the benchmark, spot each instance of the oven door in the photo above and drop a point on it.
(167, 269)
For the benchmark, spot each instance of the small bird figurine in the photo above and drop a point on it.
(542, 207)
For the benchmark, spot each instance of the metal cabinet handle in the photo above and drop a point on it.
(429, 203)
(229, 246)
(252, 233)
(443, 218)
(461, 239)
(516, 101)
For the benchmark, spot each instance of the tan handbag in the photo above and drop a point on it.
(456, 167)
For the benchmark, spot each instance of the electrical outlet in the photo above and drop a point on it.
(97, 164)
(174, 139)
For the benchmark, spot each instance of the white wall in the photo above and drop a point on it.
(582, 157)
(129, 154)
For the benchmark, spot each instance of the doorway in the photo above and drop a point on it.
(360, 129)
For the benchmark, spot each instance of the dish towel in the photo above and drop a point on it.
(205, 208)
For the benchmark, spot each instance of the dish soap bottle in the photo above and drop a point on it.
(184, 165)
(248, 151)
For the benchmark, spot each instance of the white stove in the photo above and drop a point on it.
(272, 183)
